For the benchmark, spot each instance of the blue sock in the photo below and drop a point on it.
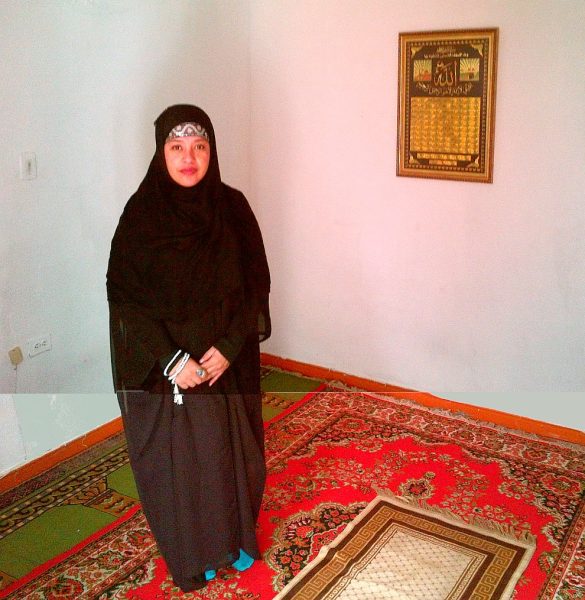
(209, 574)
(245, 561)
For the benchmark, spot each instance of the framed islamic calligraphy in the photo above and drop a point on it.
(446, 104)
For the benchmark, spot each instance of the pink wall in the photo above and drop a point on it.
(436, 285)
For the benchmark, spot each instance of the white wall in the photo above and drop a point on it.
(12, 451)
(449, 287)
(457, 288)
(82, 83)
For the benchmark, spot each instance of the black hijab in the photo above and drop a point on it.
(178, 251)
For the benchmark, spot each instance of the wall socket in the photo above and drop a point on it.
(42, 343)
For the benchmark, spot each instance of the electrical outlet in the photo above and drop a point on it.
(42, 343)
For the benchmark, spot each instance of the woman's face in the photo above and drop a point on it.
(187, 159)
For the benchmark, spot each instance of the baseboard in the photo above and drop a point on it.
(50, 459)
(526, 424)
(54, 457)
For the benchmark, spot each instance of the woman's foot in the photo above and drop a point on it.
(245, 561)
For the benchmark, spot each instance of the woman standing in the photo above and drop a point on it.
(188, 286)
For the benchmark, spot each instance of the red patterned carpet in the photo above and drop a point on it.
(326, 456)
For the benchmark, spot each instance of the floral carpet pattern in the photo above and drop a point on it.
(326, 456)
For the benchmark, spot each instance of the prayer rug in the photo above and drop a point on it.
(396, 549)
(327, 457)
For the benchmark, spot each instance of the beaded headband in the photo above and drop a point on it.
(187, 129)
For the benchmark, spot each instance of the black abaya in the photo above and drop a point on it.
(188, 271)
(199, 469)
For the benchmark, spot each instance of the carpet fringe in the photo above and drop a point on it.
(399, 398)
(503, 530)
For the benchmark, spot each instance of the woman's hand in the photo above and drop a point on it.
(214, 362)
(188, 377)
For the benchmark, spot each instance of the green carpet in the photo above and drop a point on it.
(48, 535)
(122, 481)
(62, 507)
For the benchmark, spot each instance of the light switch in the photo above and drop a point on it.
(28, 165)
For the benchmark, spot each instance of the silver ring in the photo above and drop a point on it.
(201, 372)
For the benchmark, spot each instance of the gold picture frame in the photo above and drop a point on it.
(446, 104)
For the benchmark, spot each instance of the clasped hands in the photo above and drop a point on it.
(212, 362)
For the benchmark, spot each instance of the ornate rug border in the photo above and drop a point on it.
(339, 386)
